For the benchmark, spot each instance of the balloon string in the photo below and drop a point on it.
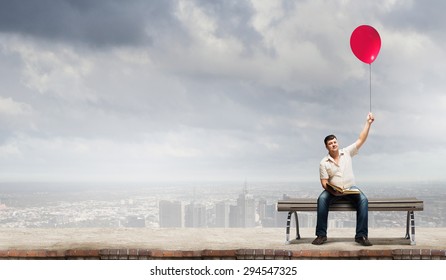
(370, 72)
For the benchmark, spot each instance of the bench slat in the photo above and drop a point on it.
(375, 204)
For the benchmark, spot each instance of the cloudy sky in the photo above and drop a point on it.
(198, 90)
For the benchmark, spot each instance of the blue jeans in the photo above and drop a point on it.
(361, 204)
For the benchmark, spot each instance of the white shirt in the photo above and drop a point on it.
(339, 174)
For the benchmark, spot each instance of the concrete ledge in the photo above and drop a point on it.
(213, 243)
(241, 254)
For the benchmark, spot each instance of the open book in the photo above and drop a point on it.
(341, 190)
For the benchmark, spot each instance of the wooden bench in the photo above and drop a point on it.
(410, 204)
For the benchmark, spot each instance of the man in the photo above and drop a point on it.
(336, 169)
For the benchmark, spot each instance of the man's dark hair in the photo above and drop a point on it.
(328, 138)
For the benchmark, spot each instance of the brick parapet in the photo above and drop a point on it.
(240, 254)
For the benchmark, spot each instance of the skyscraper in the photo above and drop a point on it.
(170, 214)
(244, 213)
(195, 215)
(222, 215)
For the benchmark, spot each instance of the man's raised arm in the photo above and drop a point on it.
(365, 131)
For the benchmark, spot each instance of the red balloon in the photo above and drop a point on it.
(365, 43)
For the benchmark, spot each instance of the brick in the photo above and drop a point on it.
(209, 253)
(155, 254)
(112, 254)
(240, 254)
(168, 254)
(259, 254)
(3, 254)
(347, 254)
(269, 254)
(334, 254)
(376, 254)
(123, 254)
(279, 254)
(397, 254)
(435, 252)
(371, 254)
(178, 254)
(324, 253)
(228, 254)
(344, 254)
(306, 253)
(82, 254)
(144, 254)
(193, 254)
(133, 254)
(36, 254)
(31, 253)
(16, 253)
(385, 254)
(425, 254)
(315, 254)
(249, 254)
(224, 254)
(328, 254)
(406, 254)
(416, 254)
(56, 254)
(296, 254)
(94, 255)
(104, 254)
(438, 254)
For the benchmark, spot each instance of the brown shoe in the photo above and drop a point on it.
(319, 240)
(364, 241)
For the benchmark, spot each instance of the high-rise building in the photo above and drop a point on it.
(262, 209)
(268, 214)
(244, 213)
(170, 214)
(195, 215)
(234, 216)
(222, 215)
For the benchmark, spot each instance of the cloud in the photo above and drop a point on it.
(9, 107)
(92, 23)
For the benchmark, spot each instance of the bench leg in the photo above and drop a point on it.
(410, 227)
(288, 226)
(297, 225)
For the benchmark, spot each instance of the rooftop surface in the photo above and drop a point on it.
(210, 238)
(226, 241)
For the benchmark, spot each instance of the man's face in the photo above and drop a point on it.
(332, 145)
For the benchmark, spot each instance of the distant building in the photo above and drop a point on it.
(170, 214)
(233, 216)
(243, 215)
(222, 215)
(135, 222)
(195, 215)
(267, 214)
(262, 209)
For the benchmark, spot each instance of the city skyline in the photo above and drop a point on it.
(235, 206)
